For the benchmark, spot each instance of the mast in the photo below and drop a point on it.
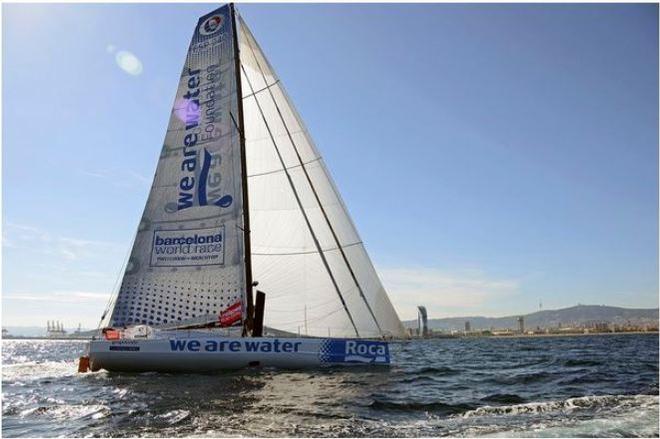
(246, 208)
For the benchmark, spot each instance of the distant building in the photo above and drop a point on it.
(521, 324)
(597, 326)
(422, 321)
(55, 328)
(467, 326)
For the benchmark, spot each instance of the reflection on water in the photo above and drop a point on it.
(585, 386)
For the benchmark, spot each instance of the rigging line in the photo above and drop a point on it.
(259, 91)
(334, 311)
(247, 249)
(302, 209)
(280, 170)
(309, 180)
(117, 285)
(309, 252)
(277, 136)
(284, 209)
(310, 307)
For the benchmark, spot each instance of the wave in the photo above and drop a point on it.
(440, 370)
(504, 398)
(575, 362)
(585, 378)
(434, 407)
(68, 412)
(416, 379)
(174, 416)
(611, 416)
(35, 370)
(524, 378)
(568, 405)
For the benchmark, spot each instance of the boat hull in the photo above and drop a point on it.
(208, 354)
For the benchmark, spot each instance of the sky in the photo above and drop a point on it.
(494, 158)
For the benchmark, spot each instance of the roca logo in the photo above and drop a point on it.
(211, 25)
(357, 348)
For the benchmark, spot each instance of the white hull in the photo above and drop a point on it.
(208, 353)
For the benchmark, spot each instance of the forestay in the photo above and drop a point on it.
(187, 263)
(306, 253)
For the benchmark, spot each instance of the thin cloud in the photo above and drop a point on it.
(139, 177)
(122, 179)
(443, 293)
(59, 296)
(96, 174)
(19, 236)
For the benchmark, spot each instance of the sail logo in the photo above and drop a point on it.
(189, 247)
(193, 186)
(211, 25)
(187, 185)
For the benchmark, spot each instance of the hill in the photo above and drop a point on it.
(572, 316)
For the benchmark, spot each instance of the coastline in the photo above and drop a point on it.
(439, 336)
(568, 334)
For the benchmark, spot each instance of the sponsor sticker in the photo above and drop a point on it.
(354, 351)
(111, 334)
(231, 315)
(247, 345)
(211, 25)
(124, 348)
(189, 247)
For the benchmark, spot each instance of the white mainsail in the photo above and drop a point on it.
(188, 259)
(306, 253)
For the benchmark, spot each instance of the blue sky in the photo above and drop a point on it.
(491, 156)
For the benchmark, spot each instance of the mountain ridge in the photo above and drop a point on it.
(574, 315)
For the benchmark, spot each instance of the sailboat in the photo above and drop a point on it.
(242, 209)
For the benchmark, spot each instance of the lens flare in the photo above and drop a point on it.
(128, 62)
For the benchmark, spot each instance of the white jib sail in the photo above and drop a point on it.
(306, 253)
(187, 263)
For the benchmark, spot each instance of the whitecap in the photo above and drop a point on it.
(572, 404)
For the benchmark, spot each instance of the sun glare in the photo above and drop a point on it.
(128, 62)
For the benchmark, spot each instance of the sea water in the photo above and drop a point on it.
(532, 386)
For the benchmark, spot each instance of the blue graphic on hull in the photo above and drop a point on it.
(354, 351)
